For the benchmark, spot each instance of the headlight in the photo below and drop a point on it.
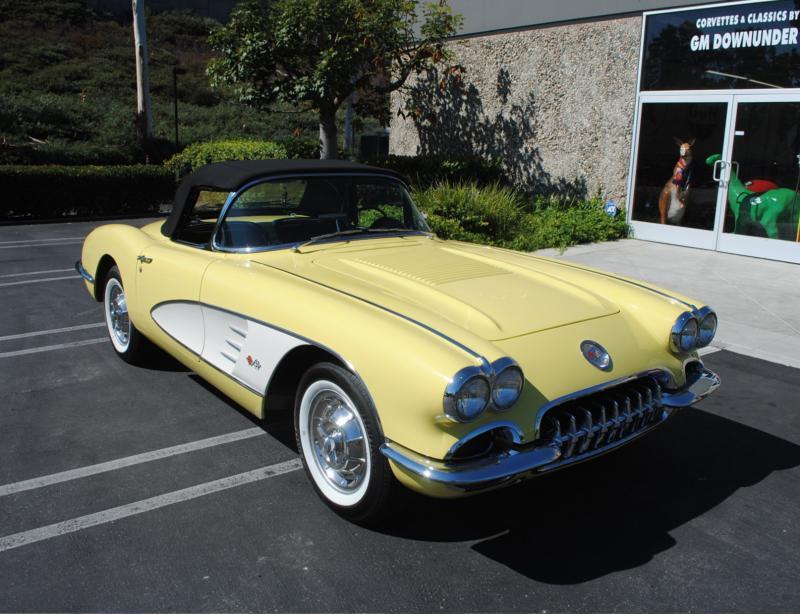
(683, 337)
(507, 384)
(708, 326)
(467, 396)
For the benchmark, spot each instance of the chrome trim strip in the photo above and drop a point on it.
(83, 272)
(439, 334)
(623, 280)
(262, 393)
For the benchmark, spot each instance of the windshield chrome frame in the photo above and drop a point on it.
(268, 248)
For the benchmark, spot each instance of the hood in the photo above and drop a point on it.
(485, 292)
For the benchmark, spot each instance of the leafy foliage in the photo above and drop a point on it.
(317, 53)
(500, 216)
(68, 88)
(47, 192)
(198, 154)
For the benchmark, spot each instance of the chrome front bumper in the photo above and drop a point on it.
(517, 464)
(84, 273)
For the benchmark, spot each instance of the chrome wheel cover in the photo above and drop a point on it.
(338, 440)
(119, 324)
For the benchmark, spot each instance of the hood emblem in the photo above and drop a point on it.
(596, 354)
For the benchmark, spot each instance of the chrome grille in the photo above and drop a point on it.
(603, 418)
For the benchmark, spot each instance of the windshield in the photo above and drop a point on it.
(296, 210)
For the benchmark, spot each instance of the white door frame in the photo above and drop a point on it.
(772, 249)
(665, 233)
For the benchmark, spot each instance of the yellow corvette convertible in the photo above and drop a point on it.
(447, 367)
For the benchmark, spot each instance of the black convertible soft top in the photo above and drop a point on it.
(230, 176)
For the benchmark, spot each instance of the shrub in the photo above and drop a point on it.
(198, 154)
(497, 215)
(44, 192)
(466, 211)
(426, 171)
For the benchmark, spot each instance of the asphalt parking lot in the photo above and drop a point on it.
(131, 489)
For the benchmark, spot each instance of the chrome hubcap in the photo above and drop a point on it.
(118, 314)
(339, 442)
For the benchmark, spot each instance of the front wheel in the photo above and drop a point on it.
(338, 438)
(128, 342)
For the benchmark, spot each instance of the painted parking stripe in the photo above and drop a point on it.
(72, 525)
(37, 281)
(50, 348)
(53, 331)
(30, 273)
(40, 244)
(40, 240)
(128, 461)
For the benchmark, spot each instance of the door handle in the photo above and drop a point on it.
(717, 171)
(144, 259)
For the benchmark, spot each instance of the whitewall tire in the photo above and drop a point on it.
(338, 439)
(127, 341)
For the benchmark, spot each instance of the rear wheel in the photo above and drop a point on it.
(127, 341)
(338, 438)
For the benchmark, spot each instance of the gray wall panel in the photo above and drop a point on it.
(483, 16)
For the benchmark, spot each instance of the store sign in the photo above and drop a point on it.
(725, 46)
(731, 34)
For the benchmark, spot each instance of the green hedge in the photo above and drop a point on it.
(498, 215)
(46, 192)
(198, 154)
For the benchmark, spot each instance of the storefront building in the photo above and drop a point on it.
(688, 114)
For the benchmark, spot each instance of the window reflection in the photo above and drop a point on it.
(723, 47)
(672, 188)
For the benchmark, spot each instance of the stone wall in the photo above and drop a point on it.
(555, 103)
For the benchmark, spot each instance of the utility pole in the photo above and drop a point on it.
(143, 107)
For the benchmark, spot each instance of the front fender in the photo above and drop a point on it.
(122, 244)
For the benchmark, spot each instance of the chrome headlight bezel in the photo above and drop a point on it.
(503, 367)
(705, 316)
(676, 336)
(457, 385)
(489, 374)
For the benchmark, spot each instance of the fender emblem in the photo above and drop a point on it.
(596, 354)
(253, 362)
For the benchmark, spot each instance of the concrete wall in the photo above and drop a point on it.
(555, 103)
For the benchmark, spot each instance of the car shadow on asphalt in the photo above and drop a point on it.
(278, 424)
(612, 514)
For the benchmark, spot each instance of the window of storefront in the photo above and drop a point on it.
(717, 150)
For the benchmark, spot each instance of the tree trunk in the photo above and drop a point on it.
(328, 149)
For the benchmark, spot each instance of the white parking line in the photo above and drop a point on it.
(50, 348)
(52, 331)
(139, 507)
(40, 240)
(127, 461)
(40, 244)
(69, 270)
(37, 281)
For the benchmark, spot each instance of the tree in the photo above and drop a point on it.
(317, 53)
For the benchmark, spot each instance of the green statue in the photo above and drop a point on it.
(776, 211)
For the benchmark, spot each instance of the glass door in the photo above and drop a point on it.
(762, 204)
(678, 190)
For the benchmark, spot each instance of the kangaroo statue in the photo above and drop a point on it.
(776, 211)
(672, 200)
